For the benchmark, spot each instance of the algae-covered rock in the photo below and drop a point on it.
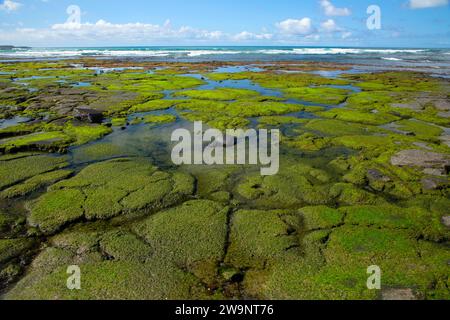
(111, 280)
(192, 235)
(35, 183)
(15, 170)
(165, 118)
(321, 95)
(221, 94)
(261, 237)
(12, 248)
(56, 209)
(320, 217)
(107, 189)
(293, 186)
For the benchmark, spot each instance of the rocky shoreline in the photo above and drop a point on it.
(86, 179)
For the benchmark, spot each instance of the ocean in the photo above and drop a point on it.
(436, 61)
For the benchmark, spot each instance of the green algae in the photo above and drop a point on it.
(321, 217)
(119, 122)
(221, 94)
(53, 141)
(152, 105)
(56, 209)
(279, 120)
(308, 142)
(98, 151)
(108, 280)
(294, 185)
(233, 115)
(165, 118)
(321, 95)
(359, 117)
(259, 237)
(99, 192)
(44, 141)
(84, 134)
(421, 130)
(35, 183)
(335, 127)
(14, 171)
(12, 248)
(197, 229)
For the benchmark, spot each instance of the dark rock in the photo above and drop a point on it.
(90, 115)
(374, 174)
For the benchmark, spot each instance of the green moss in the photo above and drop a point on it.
(98, 151)
(292, 186)
(368, 101)
(365, 142)
(35, 183)
(103, 202)
(146, 83)
(308, 142)
(320, 217)
(232, 115)
(85, 134)
(359, 117)
(260, 237)
(108, 189)
(192, 235)
(419, 222)
(20, 169)
(221, 94)
(347, 194)
(12, 248)
(46, 141)
(165, 118)
(152, 105)
(56, 209)
(124, 246)
(338, 128)
(321, 95)
(279, 120)
(421, 129)
(119, 122)
(111, 280)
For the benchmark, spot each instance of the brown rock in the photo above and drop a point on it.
(398, 294)
(434, 183)
(422, 159)
(446, 221)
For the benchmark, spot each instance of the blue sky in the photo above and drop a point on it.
(404, 23)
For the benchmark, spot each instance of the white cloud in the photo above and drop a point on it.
(330, 26)
(296, 27)
(104, 33)
(248, 36)
(9, 6)
(420, 4)
(102, 30)
(346, 35)
(331, 11)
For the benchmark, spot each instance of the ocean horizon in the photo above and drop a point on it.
(435, 60)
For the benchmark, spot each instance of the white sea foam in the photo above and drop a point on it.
(391, 59)
(187, 52)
